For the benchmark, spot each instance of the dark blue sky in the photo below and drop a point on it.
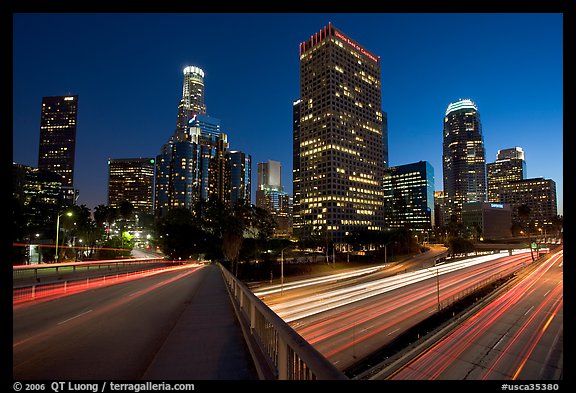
(127, 71)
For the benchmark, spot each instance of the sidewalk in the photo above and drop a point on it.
(206, 342)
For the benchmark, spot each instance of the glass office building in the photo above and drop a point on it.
(463, 157)
(409, 196)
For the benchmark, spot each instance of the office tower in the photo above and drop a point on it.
(239, 173)
(409, 196)
(538, 194)
(176, 185)
(440, 216)
(270, 195)
(341, 153)
(509, 166)
(211, 162)
(192, 102)
(296, 221)
(487, 220)
(385, 138)
(58, 136)
(41, 195)
(464, 157)
(132, 180)
(192, 164)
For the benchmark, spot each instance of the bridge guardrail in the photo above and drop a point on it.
(287, 356)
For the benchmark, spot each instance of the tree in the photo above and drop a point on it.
(459, 245)
(557, 224)
(179, 235)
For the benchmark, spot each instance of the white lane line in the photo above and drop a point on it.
(561, 263)
(393, 331)
(132, 294)
(547, 293)
(501, 338)
(530, 309)
(79, 315)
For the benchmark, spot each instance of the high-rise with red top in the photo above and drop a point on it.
(340, 138)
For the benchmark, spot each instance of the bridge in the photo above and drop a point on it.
(217, 330)
(212, 326)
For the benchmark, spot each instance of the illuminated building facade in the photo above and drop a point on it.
(296, 221)
(338, 186)
(239, 174)
(192, 165)
(463, 157)
(409, 196)
(58, 136)
(132, 180)
(487, 220)
(509, 166)
(192, 102)
(440, 209)
(270, 195)
(538, 194)
(42, 195)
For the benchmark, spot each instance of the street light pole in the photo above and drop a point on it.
(438, 289)
(58, 231)
(281, 272)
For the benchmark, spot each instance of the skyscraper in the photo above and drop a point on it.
(296, 221)
(192, 102)
(509, 166)
(538, 194)
(464, 157)
(192, 165)
(132, 180)
(270, 195)
(58, 136)
(341, 153)
(239, 173)
(409, 196)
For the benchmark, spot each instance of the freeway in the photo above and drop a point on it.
(347, 320)
(172, 325)
(518, 335)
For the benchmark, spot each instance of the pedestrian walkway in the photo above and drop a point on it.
(207, 342)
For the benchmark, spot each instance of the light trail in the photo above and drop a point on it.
(37, 293)
(435, 361)
(307, 306)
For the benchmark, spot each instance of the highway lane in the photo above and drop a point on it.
(112, 332)
(344, 277)
(351, 320)
(519, 335)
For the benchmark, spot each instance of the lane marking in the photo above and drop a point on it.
(530, 309)
(79, 315)
(547, 293)
(501, 338)
(393, 331)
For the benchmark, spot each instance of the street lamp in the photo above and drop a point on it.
(282, 269)
(69, 214)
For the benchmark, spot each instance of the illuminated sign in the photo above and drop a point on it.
(355, 46)
(497, 205)
(68, 98)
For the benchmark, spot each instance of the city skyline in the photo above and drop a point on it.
(514, 75)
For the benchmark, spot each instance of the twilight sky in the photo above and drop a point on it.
(127, 71)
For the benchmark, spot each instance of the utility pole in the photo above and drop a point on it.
(438, 289)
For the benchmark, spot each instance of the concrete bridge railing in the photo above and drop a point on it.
(279, 352)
